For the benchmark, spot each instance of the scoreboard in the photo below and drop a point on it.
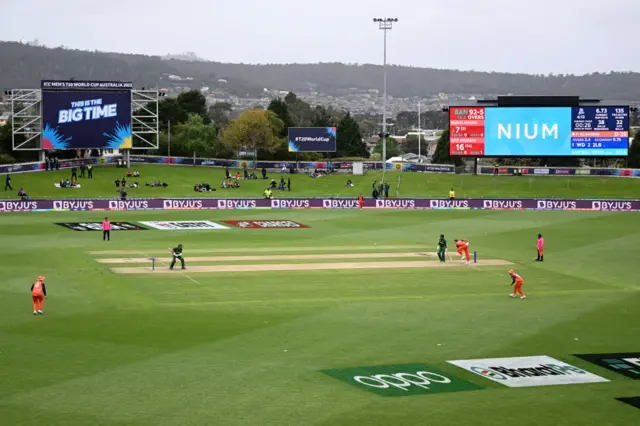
(466, 131)
(583, 131)
(599, 131)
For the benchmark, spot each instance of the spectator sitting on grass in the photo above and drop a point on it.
(273, 184)
(350, 184)
(136, 174)
(117, 182)
(133, 185)
(156, 183)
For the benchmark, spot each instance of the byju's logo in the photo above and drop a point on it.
(401, 380)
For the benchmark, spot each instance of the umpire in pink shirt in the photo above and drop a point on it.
(106, 229)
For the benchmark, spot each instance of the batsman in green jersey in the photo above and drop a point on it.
(442, 248)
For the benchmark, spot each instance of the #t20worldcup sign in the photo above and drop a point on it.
(93, 115)
(312, 139)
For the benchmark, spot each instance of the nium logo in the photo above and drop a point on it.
(528, 371)
(401, 380)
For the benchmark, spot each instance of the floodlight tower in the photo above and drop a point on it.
(384, 24)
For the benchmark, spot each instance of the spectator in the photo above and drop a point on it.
(7, 183)
(82, 170)
(246, 173)
(349, 184)
(123, 194)
(386, 190)
(23, 195)
(90, 171)
(375, 193)
(273, 184)
(227, 175)
(136, 173)
(452, 194)
(288, 184)
(264, 174)
(117, 182)
(57, 163)
(74, 173)
(47, 164)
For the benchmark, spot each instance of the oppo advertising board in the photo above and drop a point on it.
(312, 139)
(86, 114)
(583, 131)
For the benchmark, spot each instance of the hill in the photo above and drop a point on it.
(24, 65)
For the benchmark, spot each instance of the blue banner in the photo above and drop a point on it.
(312, 139)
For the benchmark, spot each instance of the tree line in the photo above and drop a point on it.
(24, 65)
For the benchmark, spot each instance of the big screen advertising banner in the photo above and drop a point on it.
(312, 139)
(86, 119)
(540, 131)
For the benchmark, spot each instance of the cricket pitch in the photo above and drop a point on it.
(311, 267)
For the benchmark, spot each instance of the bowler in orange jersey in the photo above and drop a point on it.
(38, 293)
(463, 249)
(518, 281)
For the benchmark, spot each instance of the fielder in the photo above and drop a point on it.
(518, 281)
(176, 253)
(38, 293)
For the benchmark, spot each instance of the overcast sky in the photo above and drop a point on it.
(540, 36)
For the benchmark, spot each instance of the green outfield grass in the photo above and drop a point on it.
(181, 180)
(247, 348)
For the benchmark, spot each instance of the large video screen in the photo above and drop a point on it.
(583, 131)
(86, 119)
(312, 139)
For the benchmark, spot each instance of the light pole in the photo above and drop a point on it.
(385, 24)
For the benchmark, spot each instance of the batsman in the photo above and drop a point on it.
(442, 248)
(176, 253)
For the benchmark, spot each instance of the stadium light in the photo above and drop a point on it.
(384, 24)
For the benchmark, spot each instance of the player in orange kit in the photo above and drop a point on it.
(38, 293)
(518, 281)
(463, 249)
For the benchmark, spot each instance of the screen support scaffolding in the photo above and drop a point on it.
(26, 119)
(145, 122)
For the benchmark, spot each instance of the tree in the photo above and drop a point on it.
(254, 129)
(368, 127)
(194, 102)
(441, 156)
(412, 146)
(633, 160)
(169, 109)
(349, 139)
(219, 113)
(195, 136)
(393, 150)
(281, 110)
(322, 118)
